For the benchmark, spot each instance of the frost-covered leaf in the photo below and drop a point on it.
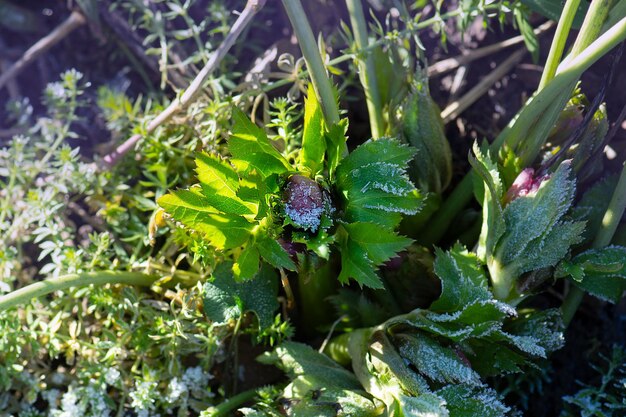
(472, 401)
(530, 218)
(493, 223)
(374, 184)
(440, 364)
(386, 150)
(225, 299)
(544, 326)
(250, 144)
(463, 280)
(189, 207)
(492, 358)
(425, 405)
(273, 253)
(297, 359)
(551, 249)
(313, 143)
(383, 176)
(360, 203)
(600, 272)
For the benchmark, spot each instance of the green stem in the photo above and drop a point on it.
(540, 105)
(592, 25)
(558, 42)
(367, 70)
(49, 285)
(232, 403)
(321, 83)
(610, 221)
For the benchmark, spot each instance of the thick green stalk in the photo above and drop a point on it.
(47, 286)
(592, 25)
(367, 69)
(558, 42)
(321, 83)
(543, 104)
(232, 403)
(610, 221)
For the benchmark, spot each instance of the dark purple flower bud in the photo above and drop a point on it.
(304, 202)
(525, 184)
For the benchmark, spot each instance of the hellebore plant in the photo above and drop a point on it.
(327, 216)
(256, 206)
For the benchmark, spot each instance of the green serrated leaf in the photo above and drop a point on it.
(355, 264)
(247, 264)
(380, 243)
(386, 202)
(382, 176)
(274, 254)
(249, 143)
(463, 279)
(225, 299)
(600, 272)
(223, 231)
(355, 213)
(313, 142)
(220, 183)
(386, 150)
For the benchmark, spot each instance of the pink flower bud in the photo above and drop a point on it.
(525, 184)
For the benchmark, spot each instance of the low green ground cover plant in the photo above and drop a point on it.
(247, 243)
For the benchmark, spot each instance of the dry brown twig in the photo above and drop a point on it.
(75, 20)
(194, 89)
(452, 63)
(458, 106)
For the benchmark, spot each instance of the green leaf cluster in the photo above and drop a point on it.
(238, 204)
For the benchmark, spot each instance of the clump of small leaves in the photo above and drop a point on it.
(608, 398)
